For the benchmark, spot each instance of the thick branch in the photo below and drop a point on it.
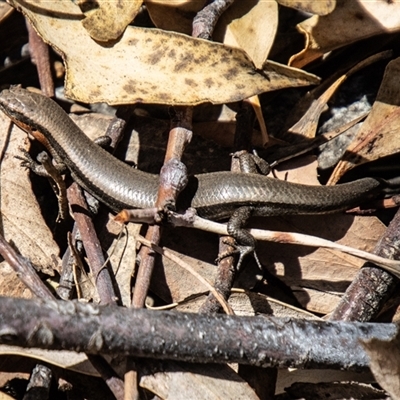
(372, 286)
(257, 341)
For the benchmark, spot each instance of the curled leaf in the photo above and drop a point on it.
(378, 136)
(349, 22)
(108, 20)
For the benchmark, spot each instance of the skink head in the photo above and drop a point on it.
(19, 104)
(22, 106)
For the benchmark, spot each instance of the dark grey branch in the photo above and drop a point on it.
(257, 341)
(372, 286)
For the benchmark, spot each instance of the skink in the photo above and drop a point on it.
(213, 195)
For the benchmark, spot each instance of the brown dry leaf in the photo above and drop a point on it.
(21, 218)
(4, 396)
(321, 7)
(251, 26)
(378, 136)
(178, 284)
(107, 20)
(308, 123)
(77, 362)
(122, 253)
(316, 301)
(300, 170)
(349, 22)
(152, 66)
(5, 10)
(286, 377)
(321, 270)
(197, 381)
(335, 390)
(174, 15)
(385, 363)
(220, 127)
(185, 294)
(246, 303)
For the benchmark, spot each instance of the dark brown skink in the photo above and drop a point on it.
(214, 195)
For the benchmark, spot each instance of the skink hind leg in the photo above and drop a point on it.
(245, 242)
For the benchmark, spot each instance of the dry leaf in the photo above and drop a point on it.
(5, 11)
(385, 363)
(22, 221)
(178, 283)
(322, 270)
(122, 253)
(307, 125)
(247, 303)
(4, 396)
(77, 362)
(320, 7)
(316, 301)
(378, 136)
(179, 381)
(251, 26)
(335, 390)
(288, 377)
(349, 22)
(174, 15)
(153, 66)
(300, 170)
(106, 20)
(220, 128)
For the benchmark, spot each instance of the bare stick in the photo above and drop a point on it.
(40, 56)
(260, 341)
(92, 246)
(206, 19)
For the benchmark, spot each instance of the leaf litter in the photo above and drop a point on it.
(134, 67)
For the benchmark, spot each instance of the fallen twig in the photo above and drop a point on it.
(260, 341)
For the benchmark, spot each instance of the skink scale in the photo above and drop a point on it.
(213, 195)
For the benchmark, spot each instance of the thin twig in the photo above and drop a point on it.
(104, 278)
(196, 222)
(24, 270)
(180, 135)
(40, 56)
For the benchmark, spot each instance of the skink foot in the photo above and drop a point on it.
(243, 251)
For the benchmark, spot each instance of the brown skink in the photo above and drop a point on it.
(214, 195)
